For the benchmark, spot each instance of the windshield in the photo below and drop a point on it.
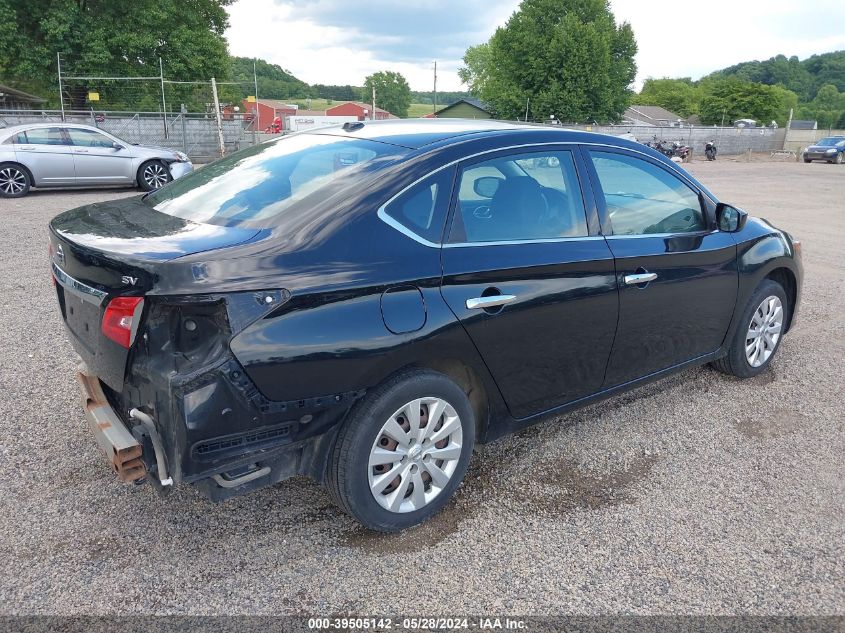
(253, 187)
(831, 141)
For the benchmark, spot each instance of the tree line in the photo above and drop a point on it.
(765, 91)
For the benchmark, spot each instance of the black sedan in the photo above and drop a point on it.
(363, 304)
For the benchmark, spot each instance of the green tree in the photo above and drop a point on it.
(111, 37)
(568, 57)
(392, 92)
(735, 99)
(274, 82)
(680, 96)
(828, 107)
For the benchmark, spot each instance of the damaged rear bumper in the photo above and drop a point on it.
(122, 450)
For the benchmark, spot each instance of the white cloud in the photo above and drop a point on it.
(331, 42)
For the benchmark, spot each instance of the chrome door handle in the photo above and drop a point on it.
(27, 148)
(81, 151)
(640, 278)
(482, 303)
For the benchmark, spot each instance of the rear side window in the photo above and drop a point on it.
(42, 136)
(524, 196)
(287, 177)
(422, 208)
(644, 199)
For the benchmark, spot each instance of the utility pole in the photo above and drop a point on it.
(61, 95)
(255, 114)
(435, 86)
(527, 101)
(373, 114)
(163, 103)
(217, 117)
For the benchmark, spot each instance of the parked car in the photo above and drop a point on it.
(365, 321)
(45, 155)
(829, 149)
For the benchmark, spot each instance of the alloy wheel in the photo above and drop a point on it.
(155, 175)
(764, 331)
(415, 454)
(12, 180)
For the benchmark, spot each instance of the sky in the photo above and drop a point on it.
(339, 42)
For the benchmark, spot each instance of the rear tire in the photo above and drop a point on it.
(14, 181)
(153, 175)
(759, 333)
(390, 483)
(808, 160)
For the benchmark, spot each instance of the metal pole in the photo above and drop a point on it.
(163, 103)
(255, 114)
(184, 110)
(527, 101)
(373, 114)
(61, 95)
(217, 117)
(435, 85)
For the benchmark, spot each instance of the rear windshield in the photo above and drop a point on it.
(256, 186)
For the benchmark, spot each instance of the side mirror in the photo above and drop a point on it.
(487, 186)
(730, 219)
(117, 146)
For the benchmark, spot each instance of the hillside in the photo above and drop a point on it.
(803, 77)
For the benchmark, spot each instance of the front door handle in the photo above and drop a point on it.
(81, 151)
(483, 303)
(640, 278)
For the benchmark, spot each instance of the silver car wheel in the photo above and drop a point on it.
(415, 454)
(12, 180)
(155, 175)
(764, 331)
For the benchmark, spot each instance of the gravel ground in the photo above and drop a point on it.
(699, 494)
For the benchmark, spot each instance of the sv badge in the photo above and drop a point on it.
(129, 281)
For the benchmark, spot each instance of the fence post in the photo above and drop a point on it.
(163, 103)
(217, 117)
(184, 111)
(61, 95)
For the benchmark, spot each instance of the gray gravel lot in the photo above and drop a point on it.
(698, 494)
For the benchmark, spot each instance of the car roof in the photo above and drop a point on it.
(30, 126)
(423, 134)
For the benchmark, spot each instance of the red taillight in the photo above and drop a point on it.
(119, 319)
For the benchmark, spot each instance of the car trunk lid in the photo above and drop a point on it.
(117, 249)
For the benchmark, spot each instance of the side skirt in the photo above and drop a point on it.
(512, 425)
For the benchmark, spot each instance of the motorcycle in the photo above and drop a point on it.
(710, 150)
(680, 151)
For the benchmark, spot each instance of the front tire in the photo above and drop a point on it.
(153, 175)
(14, 181)
(403, 451)
(759, 333)
(838, 159)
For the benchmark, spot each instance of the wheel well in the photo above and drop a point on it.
(468, 380)
(24, 167)
(786, 279)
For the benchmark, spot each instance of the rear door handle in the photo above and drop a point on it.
(639, 278)
(482, 303)
(81, 151)
(27, 148)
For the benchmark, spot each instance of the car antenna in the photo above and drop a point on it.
(351, 126)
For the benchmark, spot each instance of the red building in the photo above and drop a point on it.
(361, 110)
(268, 111)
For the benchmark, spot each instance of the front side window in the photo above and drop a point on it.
(644, 199)
(88, 138)
(422, 208)
(281, 179)
(526, 196)
(42, 136)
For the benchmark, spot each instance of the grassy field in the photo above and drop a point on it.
(416, 109)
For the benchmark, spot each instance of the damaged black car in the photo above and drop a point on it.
(363, 304)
